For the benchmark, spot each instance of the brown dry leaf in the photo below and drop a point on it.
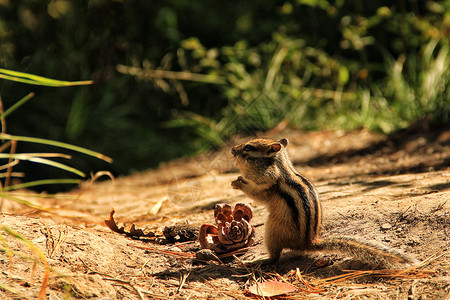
(271, 288)
(139, 232)
(111, 223)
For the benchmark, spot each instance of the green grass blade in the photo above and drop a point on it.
(27, 242)
(38, 80)
(41, 160)
(39, 258)
(171, 75)
(12, 291)
(22, 201)
(41, 182)
(26, 156)
(7, 249)
(55, 164)
(17, 105)
(37, 252)
(5, 136)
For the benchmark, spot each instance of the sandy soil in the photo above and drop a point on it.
(393, 190)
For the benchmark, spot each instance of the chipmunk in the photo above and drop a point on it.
(295, 212)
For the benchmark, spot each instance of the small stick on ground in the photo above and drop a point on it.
(127, 283)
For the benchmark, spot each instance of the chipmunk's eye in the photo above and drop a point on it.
(249, 148)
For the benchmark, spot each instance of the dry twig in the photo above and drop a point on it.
(52, 244)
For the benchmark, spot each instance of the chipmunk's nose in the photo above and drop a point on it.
(233, 151)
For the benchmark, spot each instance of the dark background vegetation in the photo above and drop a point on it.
(314, 64)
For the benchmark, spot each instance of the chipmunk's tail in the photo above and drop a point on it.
(375, 254)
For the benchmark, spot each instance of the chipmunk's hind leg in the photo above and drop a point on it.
(274, 252)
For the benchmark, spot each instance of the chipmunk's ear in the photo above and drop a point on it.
(284, 142)
(274, 148)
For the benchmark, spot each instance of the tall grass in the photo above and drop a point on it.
(424, 89)
(12, 159)
(45, 159)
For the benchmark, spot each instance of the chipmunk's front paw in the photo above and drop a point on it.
(238, 183)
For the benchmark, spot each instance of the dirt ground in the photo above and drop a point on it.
(390, 189)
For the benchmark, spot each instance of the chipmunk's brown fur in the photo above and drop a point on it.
(295, 213)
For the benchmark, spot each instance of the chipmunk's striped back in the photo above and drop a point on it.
(297, 186)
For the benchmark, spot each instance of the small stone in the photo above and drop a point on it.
(386, 226)
(176, 249)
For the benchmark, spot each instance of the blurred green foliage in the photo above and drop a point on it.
(209, 69)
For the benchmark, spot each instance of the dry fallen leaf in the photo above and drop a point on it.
(271, 288)
(111, 223)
